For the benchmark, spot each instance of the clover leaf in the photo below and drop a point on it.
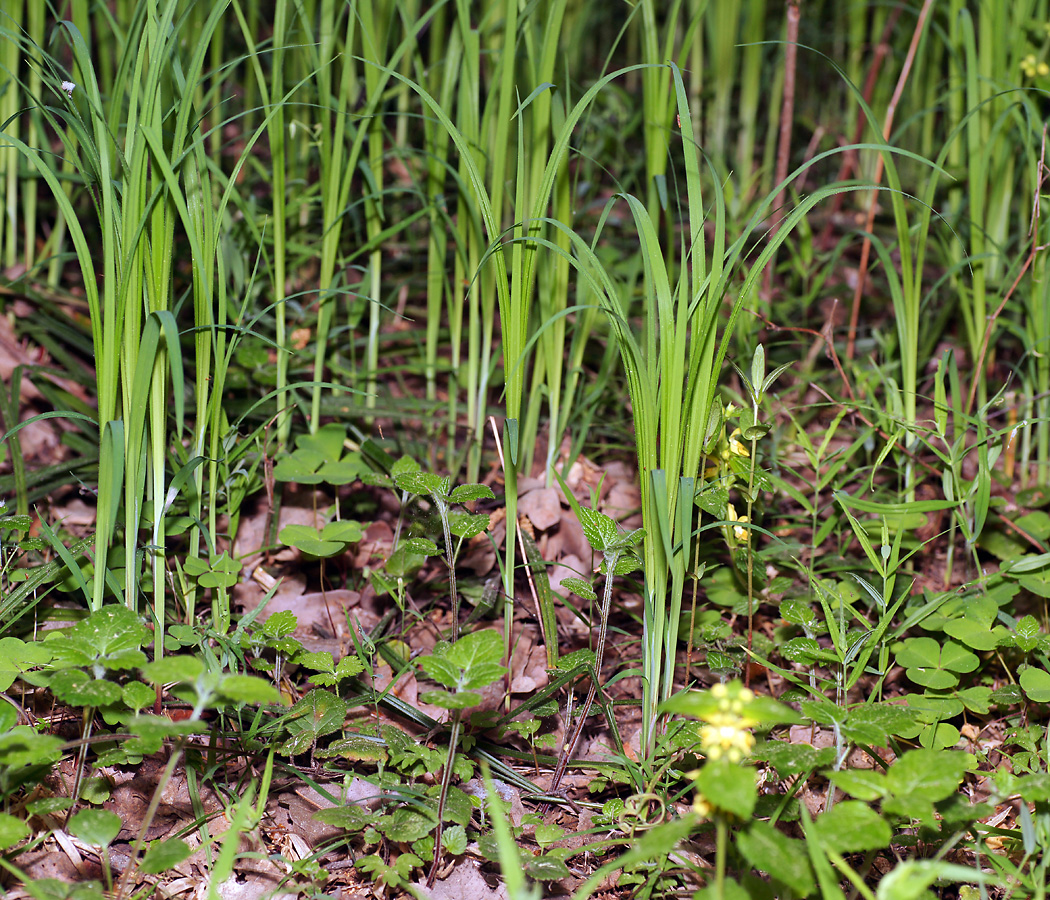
(935, 665)
(334, 538)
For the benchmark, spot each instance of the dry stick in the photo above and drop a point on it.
(787, 115)
(573, 738)
(508, 625)
(1033, 230)
(849, 161)
(887, 128)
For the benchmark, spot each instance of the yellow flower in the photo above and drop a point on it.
(701, 807)
(739, 532)
(725, 733)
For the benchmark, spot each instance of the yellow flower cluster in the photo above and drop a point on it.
(725, 731)
(1034, 67)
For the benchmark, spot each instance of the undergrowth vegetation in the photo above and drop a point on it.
(472, 449)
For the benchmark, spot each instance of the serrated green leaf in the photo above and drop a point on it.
(407, 825)
(466, 526)
(280, 624)
(350, 817)
(173, 670)
(852, 827)
(1026, 634)
(137, 695)
(466, 493)
(580, 588)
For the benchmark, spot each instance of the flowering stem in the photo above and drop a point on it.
(721, 833)
(750, 558)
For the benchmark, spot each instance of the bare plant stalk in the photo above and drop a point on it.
(887, 128)
(787, 115)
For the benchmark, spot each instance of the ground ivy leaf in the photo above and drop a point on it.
(97, 827)
(852, 827)
(784, 858)
(874, 722)
(859, 783)
(1027, 634)
(407, 825)
(351, 817)
(164, 855)
(454, 840)
(136, 695)
(248, 689)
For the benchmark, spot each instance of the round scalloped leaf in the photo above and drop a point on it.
(97, 827)
(164, 855)
(580, 588)
(406, 825)
(76, 688)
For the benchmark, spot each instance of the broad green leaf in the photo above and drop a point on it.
(547, 834)
(1027, 634)
(545, 868)
(76, 688)
(728, 787)
(1035, 683)
(465, 525)
(466, 493)
(784, 858)
(446, 700)
(407, 825)
(920, 778)
(151, 731)
(97, 827)
(852, 827)
(350, 817)
(164, 855)
(454, 840)
(315, 715)
(280, 624)
(173, 670)
(110, 636)
(794, 759)
(872, 723)
(24, 746)
(137, 695)
(248, 689)
(12, 830)
(580, 588)
(864, 784)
